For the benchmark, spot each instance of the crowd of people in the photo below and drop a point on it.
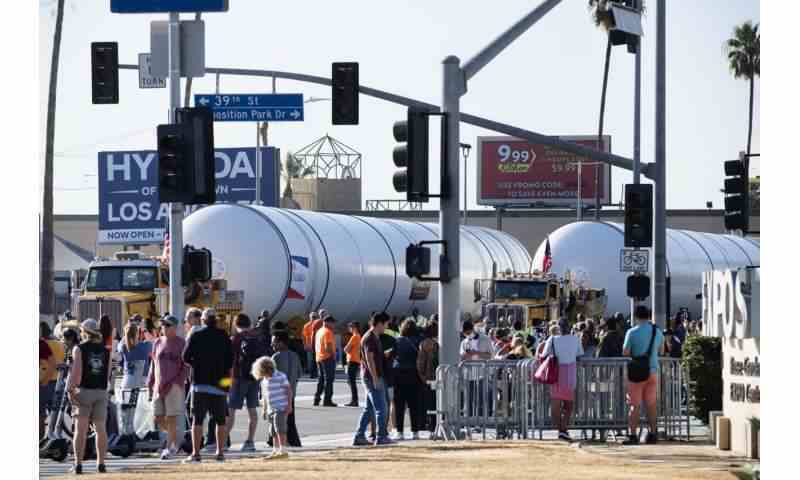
(208, 373)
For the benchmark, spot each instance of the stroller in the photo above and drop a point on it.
(136, 427)
(58, 440)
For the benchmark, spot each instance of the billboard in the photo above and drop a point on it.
(129, 212)
(515, 172)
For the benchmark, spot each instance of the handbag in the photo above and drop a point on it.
(547, 372)
(639, 367)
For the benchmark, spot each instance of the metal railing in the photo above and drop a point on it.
(501, 395)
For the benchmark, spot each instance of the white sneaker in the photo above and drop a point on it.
(415, 436)
(398, 436)
(165, 454)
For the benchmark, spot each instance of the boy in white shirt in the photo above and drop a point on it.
(276, 392)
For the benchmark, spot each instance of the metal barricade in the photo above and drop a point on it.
(502, 395)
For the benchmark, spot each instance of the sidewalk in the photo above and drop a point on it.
(459, 460)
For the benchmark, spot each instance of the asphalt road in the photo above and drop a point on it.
(319, 427)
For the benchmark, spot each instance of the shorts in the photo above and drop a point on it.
(214, 405)
(642, 390)
(92, 403)
(46, 394)
(169, 405)
(242, 389)
(277, 423)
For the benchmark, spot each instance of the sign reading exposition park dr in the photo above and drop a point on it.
(129, 212)
(514, 172)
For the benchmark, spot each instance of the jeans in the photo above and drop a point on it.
(352, 374)
(311, 364)
(376, 407)
(327, 373)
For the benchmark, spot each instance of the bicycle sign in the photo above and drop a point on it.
(631, 260)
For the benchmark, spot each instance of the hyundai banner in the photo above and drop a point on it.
(514, 172)
(129, 212)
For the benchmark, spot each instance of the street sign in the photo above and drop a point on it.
(129, 212)
(164, 6)
(277, 107)
(146, 78)
(631, 260)
(192, 51)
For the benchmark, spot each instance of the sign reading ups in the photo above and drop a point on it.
(517, 172)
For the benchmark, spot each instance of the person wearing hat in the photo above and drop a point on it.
(165, 381)
(88, 390)
(325, 346)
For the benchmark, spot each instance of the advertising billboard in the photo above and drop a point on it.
(515, 172)
(129, 212)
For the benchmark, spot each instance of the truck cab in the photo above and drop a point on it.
(529, 297)
(121, 287)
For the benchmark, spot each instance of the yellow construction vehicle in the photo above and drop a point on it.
(131, 283)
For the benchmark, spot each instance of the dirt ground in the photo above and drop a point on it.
(508, 460)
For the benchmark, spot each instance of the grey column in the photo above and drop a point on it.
(660, 226)
(449, 292)
(175, 209)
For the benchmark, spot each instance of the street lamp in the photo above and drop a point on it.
(465, 148)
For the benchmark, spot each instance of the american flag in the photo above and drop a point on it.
(547, 262)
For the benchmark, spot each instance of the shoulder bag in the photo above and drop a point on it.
(547, 373)
(639, 367)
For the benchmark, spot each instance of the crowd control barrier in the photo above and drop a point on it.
(475, 397)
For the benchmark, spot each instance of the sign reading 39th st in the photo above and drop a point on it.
(277, 107)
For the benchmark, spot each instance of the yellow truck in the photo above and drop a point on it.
(131, 283)
(536, 298)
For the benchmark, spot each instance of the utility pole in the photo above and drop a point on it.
(659, 224)
(637, 105)
(175, 209)
(454, 87)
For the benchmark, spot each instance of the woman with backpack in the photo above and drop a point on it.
(427, 362)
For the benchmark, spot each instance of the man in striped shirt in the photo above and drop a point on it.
(275, 394)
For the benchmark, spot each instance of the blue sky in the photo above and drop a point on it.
(548, 81)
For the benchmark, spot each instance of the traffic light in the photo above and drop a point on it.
(199, 121)
(173, 178)
(639, 215)
(196, 265)
(736, 195)
(638, 286)
(344, 93)
(412, 156)
(105, 73)
(186, 158)
(418, 261)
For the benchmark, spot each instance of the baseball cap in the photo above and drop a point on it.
(90, 325)
(169, 321)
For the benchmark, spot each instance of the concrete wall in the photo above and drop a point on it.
(327, 194)
(741, 397)
(530, 227)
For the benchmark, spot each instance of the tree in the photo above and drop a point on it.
(47, 301)
(744, 60)
(293, 168)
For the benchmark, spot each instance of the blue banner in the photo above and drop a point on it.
(129, 211)
(158, 6)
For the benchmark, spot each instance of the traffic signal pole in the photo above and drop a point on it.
(454, 86)
(175, 209)
(660, 214)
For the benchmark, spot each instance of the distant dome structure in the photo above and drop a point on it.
(593, 249)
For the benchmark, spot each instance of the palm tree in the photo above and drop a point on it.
(293, 168)
(47, 302)
(744, 60)
(601, 14)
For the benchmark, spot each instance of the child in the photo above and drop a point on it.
(276, 393)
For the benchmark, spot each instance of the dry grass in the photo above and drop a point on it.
(509, 460)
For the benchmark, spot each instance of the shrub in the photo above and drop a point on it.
(702, 362)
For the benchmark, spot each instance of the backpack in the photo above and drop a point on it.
(251, 348)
